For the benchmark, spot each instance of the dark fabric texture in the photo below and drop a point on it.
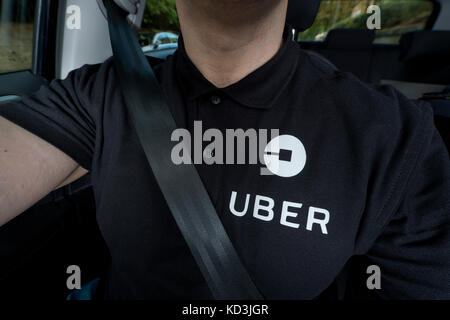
(375, 163)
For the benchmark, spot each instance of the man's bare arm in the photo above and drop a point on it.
(74, 176)
(30, 168)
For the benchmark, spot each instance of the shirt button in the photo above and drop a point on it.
(216, 100)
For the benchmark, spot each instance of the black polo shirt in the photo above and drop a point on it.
(374, 179)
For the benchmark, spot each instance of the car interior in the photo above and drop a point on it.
(61, 229)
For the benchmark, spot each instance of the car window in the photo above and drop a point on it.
(160, 25)
(396, 18)
(16, 34)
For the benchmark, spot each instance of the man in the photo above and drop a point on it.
(375, 181)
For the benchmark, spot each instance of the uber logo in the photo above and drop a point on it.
(285, 156)
(264, 210)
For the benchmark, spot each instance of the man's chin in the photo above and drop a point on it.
(233, 11)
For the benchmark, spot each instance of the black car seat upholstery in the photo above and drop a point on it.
(425, 56)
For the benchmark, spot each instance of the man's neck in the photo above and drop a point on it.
(226, 52)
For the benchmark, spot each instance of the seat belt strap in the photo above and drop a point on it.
(181, 185)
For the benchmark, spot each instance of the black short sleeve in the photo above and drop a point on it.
(65, 112)
(412, 251)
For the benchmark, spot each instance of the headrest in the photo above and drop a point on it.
(350, 39)
(425, 46)
(302, 13)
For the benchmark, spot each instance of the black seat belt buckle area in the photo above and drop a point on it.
(191, 207)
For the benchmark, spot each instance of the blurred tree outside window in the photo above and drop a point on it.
(160, 24)
(16, 34)
(397, 17)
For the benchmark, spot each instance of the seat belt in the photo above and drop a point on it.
(181, 186)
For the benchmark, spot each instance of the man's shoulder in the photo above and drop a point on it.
(376, 118)
(379, 105)
(383, 105)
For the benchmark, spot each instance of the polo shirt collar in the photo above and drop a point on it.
(260, 89)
